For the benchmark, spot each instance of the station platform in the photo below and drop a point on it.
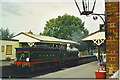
(84, 71)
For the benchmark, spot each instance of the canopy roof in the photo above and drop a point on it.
(28, 37)
(95, 36)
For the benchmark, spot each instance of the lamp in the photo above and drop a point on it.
(89, 10)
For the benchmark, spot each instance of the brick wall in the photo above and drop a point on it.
(112, 42)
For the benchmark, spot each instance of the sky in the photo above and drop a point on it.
(24, 15)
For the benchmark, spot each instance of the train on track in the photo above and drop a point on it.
(35, 58)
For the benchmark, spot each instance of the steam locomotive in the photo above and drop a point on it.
(35, 58)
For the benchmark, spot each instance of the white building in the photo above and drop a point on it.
(7, 48)
(31, 39)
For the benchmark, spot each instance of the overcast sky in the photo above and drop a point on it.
(32, 15)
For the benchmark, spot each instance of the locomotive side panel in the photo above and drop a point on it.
(44, 55)
(39, 58)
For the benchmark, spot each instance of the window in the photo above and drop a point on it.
(2, 48)
(8, 49)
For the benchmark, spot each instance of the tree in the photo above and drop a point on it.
(5, 34)
(63, 27)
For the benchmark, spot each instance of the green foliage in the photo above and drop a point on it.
(5, 34)
(63, 27)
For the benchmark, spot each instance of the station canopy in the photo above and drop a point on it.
(30, 37)
(97, 37)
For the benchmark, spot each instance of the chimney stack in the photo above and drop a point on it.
(30, 32)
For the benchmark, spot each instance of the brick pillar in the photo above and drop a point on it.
(112, 42)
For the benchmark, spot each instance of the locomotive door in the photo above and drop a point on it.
(61, 54)
(61, 51)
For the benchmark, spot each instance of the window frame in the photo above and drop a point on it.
(6, 50)
(2, 48)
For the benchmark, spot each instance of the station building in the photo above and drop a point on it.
(8, 48)
(32, 40)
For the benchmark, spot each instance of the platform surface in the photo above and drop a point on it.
(82, 71)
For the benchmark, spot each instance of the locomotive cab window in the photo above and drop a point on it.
(22, 56)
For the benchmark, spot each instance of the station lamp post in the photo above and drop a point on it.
(89, 10)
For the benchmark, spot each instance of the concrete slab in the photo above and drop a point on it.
(81, 71)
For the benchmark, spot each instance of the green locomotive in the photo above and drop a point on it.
(41, 57)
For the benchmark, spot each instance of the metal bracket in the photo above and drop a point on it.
(31, 43)
(98, 42)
